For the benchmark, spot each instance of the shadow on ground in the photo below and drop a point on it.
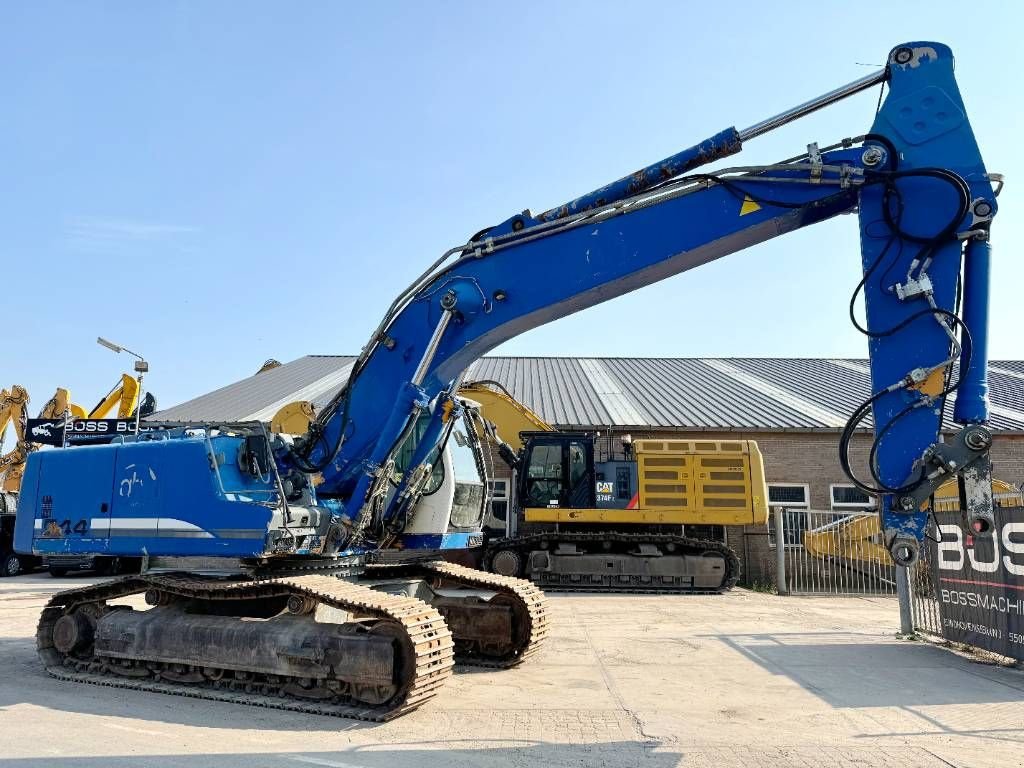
(26, 682)
(534, 755)
(848, 669)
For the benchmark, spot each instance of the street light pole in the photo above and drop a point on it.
(141, 367)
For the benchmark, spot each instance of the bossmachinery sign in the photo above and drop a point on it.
(979, 583)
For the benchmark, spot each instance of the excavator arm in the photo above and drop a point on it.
(124, 395)
(14, 410)
(14, 413)
(924, 200)
(505, 418)
(509, 416)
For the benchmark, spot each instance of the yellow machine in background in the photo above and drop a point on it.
(681, 482)
(293, 419)
(508, 415)
(124, 395)
(603, 512)
(14, 411)
(678, 481)
(858, 537)
(269, 365)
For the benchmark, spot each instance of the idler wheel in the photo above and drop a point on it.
(72, 632)
(507, 562)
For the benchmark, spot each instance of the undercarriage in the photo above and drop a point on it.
(616, 562)
(370, 646)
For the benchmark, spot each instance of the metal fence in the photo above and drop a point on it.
(924, 605)
(831, 553)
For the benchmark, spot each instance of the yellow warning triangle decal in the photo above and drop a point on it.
(749, 206)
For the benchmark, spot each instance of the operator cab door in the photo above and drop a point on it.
(558, 472)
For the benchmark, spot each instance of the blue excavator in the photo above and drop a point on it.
(306, 573)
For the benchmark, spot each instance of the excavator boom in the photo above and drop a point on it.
(921, 191)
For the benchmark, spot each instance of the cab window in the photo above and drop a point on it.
(544, 476)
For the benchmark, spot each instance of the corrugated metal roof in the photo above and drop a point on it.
(251, 397)
(748, 393)
(559, 391)
(838, 386)
(1011, 367)
(688, 391)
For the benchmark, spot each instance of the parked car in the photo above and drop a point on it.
(62, 565)
(11, 563)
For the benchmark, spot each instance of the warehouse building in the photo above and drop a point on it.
(794, 409)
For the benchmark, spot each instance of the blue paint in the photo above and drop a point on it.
(545, 280)
(925, 118)
(143, 487)
(460, 540)
(972, 396)
(722, 144)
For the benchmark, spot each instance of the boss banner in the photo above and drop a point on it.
(45, 431)
(97, 429)
(979, 583)
(58, 432)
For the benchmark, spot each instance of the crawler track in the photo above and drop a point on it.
(530, 625)
(598, 542)
(424, 646)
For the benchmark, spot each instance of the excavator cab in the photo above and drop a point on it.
(557, 470)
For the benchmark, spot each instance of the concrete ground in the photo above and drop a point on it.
(741, 679)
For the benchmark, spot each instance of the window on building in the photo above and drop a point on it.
(795, 499)
(849, 497)
(789, 495)
(497, 491)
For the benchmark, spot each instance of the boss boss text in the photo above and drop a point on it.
(1007, 550)
(100, 427)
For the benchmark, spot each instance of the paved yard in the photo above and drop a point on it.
(742, 679)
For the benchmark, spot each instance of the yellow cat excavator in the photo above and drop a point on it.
(644, 515)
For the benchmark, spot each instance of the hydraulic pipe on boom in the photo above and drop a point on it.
(367, 495)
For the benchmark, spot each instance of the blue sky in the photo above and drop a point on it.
(215, 184)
